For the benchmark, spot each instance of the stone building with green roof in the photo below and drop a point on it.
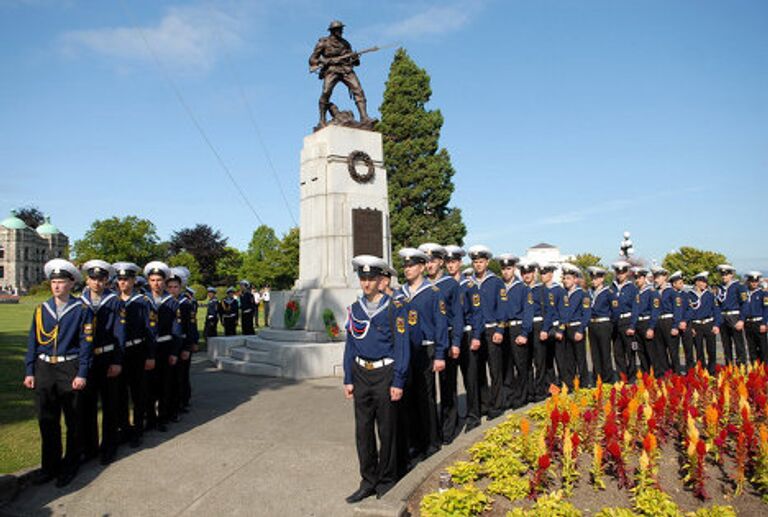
(24, 251)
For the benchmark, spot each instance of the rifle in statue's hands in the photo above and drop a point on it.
(340, 59)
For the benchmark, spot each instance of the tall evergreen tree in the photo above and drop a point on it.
(419, 171)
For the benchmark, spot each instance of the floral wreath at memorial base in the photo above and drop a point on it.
(292, 312)
(331, 327)
(352, 159)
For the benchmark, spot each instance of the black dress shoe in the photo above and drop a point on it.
(184, 409)
(162, 428)
(360, 494)
(471, 425)
(135, 441)
(174, 418)
(41, 477)
(107, 457)
(66, 478)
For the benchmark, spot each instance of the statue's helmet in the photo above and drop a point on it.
(335, 24)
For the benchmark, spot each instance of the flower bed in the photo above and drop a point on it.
(695, 443)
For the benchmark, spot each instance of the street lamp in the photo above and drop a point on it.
(626, 247)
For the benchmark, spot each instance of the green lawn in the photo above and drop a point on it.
(19, 435)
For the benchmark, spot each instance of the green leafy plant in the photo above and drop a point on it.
(513, 488)
(464, 471)
(616, 512)
(655, 503)
(459, 502)
(551, 505)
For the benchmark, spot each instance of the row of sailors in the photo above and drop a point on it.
(513, 336)
(242, 305)
(128, 349)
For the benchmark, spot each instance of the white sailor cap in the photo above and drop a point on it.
(413, 256)
(547, 267)
(659, 271)
(245, 283)
(596, 271)
(526, 266)
(468, 271)
(704, 275)
(753, 275)
(507, 259)
(725, 269)
(639, 271)
(570, 269)
(190, 291)
(369, 266)
(677, 275)
(179, 273)
(98, 268)
(621, 265)
(60, 268)
(157, 268)
(211, 290)
(126, 269)
(230, 290)
(389, 272)
(433, 250)
(480, 251)
(453, 252)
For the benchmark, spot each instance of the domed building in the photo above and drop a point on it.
(24, 251)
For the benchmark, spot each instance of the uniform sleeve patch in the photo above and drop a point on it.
(566, 302)
(678, 301)
(443, 310)
(637, 298)
(401, 325)
(503, 294)
(656, 303)
(615, 303)
(530, 298)
(551, 299)
(413, 317)
(476, 300)
(744, 296)
(585, 303)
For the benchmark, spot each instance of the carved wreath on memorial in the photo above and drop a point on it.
(352, 160)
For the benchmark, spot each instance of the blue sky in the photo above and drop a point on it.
(567, 121)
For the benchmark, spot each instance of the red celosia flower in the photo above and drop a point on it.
(544, 461)
(701, 448)
(614, 449)
(575, 440)
(555, 417)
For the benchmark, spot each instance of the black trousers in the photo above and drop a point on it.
(517, 377)
(375, 413)
(424, 437)
(645, 349)
(472, 364)
(758, 348)
(565, 357)
(600, 349)
(163, 401)
(211, 327)
(622, 349)
(498, 356)
(703, 334)
(246, 322)
(543, 372)
(230, 325)
(53, 396)
(449, 407)
(132, 386)
(668, 346)
(688, 349)
(732, 338)
(105, 389)
(185, 384)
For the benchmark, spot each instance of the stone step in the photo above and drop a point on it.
(293, 336)
(246, 368)
(251, 355)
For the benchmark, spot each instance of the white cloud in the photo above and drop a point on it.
(432, 21)
(191, 38)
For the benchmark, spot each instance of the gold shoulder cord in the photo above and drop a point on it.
(45, 338)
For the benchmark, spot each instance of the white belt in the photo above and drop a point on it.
(666, 316)
(574, 324)
(229, 315)
(556, 323)
(538, 318)
(643, 318)
(372, 365)
(756, 318)
(211, 317)
(625, 315)
(53, 359)
(163, 339)
(427, 342)
(514, 323)
(103, 349)
(133, 342)
(729, 313)
(491, 325)
(247, 310)
(467, 328)
(705, 320)
(600, 320)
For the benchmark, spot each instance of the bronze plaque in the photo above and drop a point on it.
(367, 234)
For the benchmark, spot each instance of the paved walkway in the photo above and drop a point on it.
(250, 446)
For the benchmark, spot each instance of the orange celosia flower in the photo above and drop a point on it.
(650, 443)
(711, 417)
(525, 426)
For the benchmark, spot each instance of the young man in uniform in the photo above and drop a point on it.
(670, 316)
(228, 310)
(429, 342)
(552, 334)
(59, 354)
(163, 379)
(649, 303)
(537, 298)
(211, 314)
(181, 391)
(376, 358)
(191, 337)
(571, 353)
(705, 319)
(247, 306)
(625, 312)
(108, 349)
(756, 318)
(493, 295)
(600, 326)
(139, 358)
(451, 291)
(731, 299)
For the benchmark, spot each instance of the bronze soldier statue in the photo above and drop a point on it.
(334, 58)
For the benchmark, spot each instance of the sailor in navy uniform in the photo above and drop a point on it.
(600, 326)
(228, 310)
(163, 383)
(376, 358)
(670, 317)
(247, 307)
(705, 320)
(552, 329)
(732, 298)
(59, 354)
(187, 314)
(428, 322)
(141, 284)
(624, 316)
(649, 304)
(518, 323)
(451, 291)
(139, 356)
(108, 350)
(211, 313)
(576, 309)
(386, 281)
(756, 318)
(537, 298)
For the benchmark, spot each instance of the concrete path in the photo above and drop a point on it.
(250, 446)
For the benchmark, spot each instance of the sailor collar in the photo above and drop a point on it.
(486, 276)
(50, 306)
(426, 284)
(133, 297)
(164, 297)
(105, 297)
(645, 288)
(574, 289)
(383, 304)
(513, 283)
(442, 278)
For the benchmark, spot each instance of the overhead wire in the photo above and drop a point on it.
(177, 92)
